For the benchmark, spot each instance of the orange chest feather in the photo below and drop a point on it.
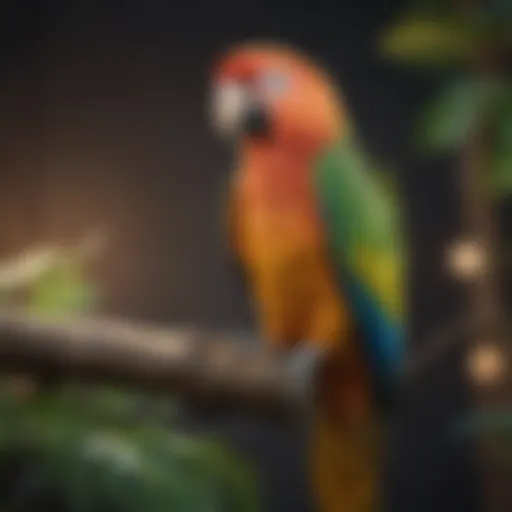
(278, 215)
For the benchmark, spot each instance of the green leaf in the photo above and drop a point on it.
(50, 280)
(501, 160)
(62, 290)
(428, 39)
(455, 114)
(26, 268)
(501, 172)
(98, 464)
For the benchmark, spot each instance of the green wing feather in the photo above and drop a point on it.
(362, 225)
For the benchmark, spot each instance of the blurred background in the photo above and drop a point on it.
(103, 126)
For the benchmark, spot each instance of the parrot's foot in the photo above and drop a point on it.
(303, 364)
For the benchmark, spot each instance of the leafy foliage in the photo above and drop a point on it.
(96, 458)
(428, 39)
(446, 35)
(460, 108)
(50, 280)
(62, 290)
(437, 33)
(456, 113)
(92, 449)
(501, 171)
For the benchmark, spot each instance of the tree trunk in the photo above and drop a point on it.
(484, 303)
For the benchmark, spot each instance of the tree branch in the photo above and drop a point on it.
(216, 369)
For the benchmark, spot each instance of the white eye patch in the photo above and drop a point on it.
(229, 103)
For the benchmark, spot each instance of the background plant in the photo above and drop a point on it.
(90, 448)
(467, 45)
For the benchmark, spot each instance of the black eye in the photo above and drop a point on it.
(274, 82)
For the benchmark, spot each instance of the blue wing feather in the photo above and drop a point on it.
(383, 340)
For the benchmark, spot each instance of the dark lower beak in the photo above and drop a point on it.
(256, 122)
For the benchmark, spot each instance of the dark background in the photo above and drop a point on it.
(103, 123)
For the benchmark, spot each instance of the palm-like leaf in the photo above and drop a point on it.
(441, 34)
(428, 39)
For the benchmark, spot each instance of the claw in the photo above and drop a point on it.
(303, 364)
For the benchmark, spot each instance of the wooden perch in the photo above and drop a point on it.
(216, 369)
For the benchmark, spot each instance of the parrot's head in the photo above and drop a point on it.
(268, 93)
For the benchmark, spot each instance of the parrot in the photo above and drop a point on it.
(318, 238)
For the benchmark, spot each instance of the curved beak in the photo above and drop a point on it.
(236, 111)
